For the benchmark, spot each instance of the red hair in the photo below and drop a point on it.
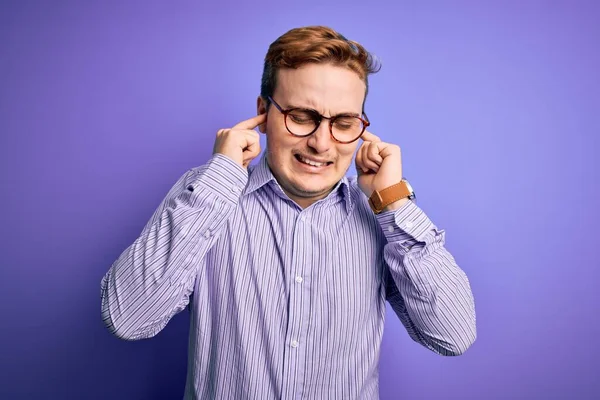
(315, 44)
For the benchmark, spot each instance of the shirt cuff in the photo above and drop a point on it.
(222, 176)
(407, 224)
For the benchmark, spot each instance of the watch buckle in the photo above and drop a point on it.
(375, 201)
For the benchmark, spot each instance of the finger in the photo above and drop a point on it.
(386, 150)
(251, 136)
(358, 162)
(369, 137)
(250, 154)
(251, 151)
(367, 162)
(252, 122)
(373, 153)
(251, 148)
(360, 167)
(252, 142)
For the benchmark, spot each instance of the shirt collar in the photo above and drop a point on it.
(261, 175)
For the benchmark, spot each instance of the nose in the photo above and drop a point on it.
(321, 141)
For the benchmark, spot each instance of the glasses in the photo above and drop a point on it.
(304, 122)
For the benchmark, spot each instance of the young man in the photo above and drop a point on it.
(290, 262)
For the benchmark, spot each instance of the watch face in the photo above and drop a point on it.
(412, 196)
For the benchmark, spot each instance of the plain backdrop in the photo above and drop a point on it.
(495, 104)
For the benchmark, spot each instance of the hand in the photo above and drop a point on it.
(379, 165)
(240, 143)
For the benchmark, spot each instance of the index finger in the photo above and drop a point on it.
(252, 122)
(369, 137)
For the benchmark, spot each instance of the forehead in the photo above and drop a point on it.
(327, 88)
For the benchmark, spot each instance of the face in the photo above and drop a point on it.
(330, 90)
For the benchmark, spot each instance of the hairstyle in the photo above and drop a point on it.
(315, 44)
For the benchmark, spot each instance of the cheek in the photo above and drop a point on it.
(279, 148)
(346, 154)
(275, 140)
(279, 141)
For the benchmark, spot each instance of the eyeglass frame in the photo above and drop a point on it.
(285, 113)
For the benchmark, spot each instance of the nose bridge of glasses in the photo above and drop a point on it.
(328, 121)
(322, 136)
(325, 123)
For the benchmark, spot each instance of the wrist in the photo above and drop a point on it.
(392, 197)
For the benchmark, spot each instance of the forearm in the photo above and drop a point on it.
(152, 279)
(435, 293)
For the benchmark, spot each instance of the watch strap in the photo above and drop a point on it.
(381, 199)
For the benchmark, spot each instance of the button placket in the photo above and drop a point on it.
(293, 356)
(298, 298)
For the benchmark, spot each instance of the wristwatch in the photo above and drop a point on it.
(381, 199)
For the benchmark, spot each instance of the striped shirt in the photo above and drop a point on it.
(285, 303)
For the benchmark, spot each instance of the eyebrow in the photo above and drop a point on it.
(346, 114)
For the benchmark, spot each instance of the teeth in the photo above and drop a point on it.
(309, 162)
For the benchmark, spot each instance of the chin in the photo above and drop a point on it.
(309, 190)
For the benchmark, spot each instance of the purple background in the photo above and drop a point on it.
(496, 107)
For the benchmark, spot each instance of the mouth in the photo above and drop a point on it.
(311, 162)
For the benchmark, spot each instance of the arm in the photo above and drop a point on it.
(152, 279)
(425, 287)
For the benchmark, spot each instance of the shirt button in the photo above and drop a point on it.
(207, 234)
(303, 218)
(299, 279)
(390, 229)
(409, 224)
(294, 343)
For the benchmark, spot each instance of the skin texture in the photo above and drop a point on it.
(330, 90)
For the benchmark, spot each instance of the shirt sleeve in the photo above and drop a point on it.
(424, 285)
(152, 279)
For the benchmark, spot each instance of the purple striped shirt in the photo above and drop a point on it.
(286, 303)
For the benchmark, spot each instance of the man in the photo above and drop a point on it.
(286, 265)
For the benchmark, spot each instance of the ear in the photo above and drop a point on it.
(261, 108)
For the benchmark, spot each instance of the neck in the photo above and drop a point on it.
(305, 202)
